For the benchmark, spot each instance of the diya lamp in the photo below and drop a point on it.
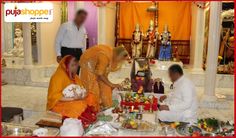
(132, 109)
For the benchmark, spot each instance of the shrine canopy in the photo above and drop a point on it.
(177, 15)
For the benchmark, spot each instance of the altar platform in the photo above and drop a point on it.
(33, 101)
(40, 75)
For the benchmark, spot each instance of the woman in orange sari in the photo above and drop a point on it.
(64, 76)
(96, 63)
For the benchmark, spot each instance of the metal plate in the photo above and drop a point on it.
(184, 129)
(19, 132)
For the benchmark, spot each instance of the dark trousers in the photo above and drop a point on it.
(75, 52)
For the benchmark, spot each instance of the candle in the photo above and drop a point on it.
(132, 108)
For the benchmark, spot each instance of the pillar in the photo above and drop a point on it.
(27, 44)
(7, 33)
(197, 38)
(102, 25)
(46, 34)
(106, 24)
(213, 49)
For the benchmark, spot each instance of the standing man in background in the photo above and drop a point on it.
(71, 37)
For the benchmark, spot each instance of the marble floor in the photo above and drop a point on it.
(33, 101)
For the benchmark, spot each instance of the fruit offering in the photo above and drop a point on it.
(227, 128)
(130, 124)
(135, 99)
(208, 124)
(138, 125)
(188, 130)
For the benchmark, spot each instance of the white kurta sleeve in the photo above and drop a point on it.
(84, 40)
(187, 98)
(60, 35)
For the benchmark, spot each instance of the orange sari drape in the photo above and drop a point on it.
(59, 81)
(177, 15)
(96, 61)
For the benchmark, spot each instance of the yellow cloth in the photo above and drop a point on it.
(97, 61)
(177, 15)
(59, 81)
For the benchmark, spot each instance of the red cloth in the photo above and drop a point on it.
(87, 117)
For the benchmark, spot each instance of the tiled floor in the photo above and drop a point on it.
(34, 99)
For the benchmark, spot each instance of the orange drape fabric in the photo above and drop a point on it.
(132, 13)
(177, 15)
(59, 81)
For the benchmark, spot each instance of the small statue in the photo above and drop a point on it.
(18, 50)
(159, 86)
(165, 49)
(4, 62)
(137, 41)
(151, 36)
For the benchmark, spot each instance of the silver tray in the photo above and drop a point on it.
(10, 129)
(16, 131)
(183, 129)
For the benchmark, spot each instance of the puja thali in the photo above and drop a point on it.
(138, 125)
(188, 130)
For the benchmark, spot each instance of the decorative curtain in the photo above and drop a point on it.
(132, 13)
(177, 15)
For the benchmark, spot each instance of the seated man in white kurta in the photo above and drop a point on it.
(181, 103)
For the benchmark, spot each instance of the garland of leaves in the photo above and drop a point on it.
(202, 5)
(100, 3)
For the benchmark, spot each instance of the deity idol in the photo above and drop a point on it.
(18, 50)
(137, 40)
(152, 36)
(165, 49)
